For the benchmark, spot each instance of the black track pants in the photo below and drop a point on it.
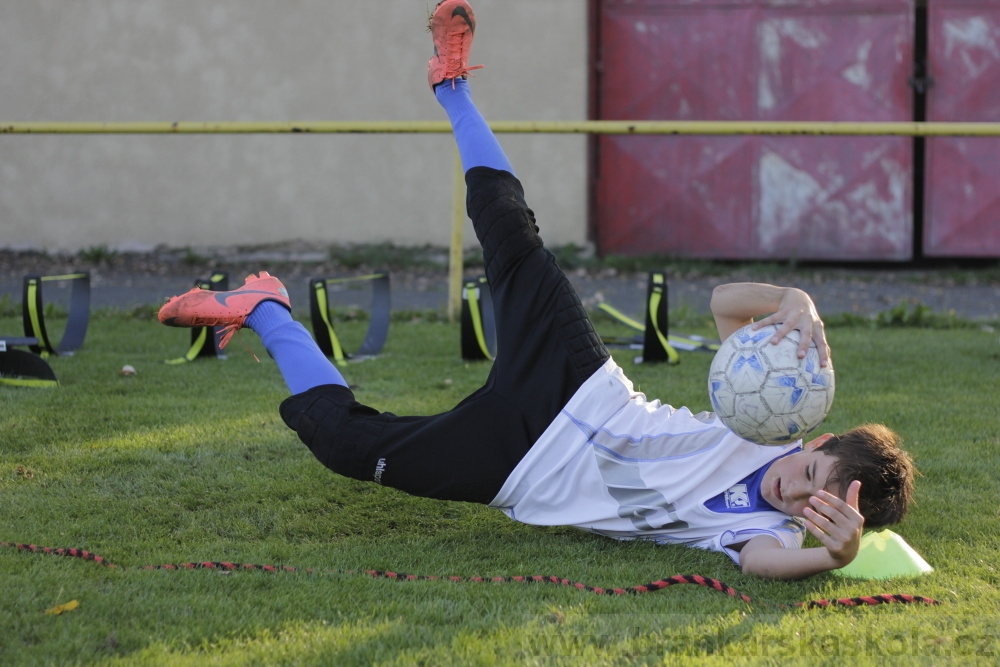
(546, 348)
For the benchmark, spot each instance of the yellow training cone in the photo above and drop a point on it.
(885, 555)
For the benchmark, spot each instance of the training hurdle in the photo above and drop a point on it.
(33, 313)
(24, 369)
(592, 127)
(379, 316)
(205, 340)
(29, 369)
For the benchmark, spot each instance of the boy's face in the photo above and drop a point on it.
(790, 481)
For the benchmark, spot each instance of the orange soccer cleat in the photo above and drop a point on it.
(452, 26)
(229, 310)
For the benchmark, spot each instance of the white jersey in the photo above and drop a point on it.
(616, 464)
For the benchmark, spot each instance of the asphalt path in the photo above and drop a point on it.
(864, 292)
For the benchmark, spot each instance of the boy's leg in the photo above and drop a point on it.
(477, 145)
(457, 455)
(262, 305)
(546, 343)
(302, 364)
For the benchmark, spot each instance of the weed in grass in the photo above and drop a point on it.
(686, 316)
(8, 308)
(418, 316)
(388, 256)
(571, 256)
(97, 254)
(339, 315)
(912, 314)
(916, 315)
(55, 311)
(192, 258)
(847, 319)
(472, 259)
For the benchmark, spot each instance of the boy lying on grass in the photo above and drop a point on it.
(557, 435)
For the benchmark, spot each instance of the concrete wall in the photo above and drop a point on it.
(294, 60)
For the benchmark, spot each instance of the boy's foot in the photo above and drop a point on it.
(452, 26)
(229, 310)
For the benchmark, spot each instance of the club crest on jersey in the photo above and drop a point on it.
(737, 496)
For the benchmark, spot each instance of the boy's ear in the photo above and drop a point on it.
(817, 442)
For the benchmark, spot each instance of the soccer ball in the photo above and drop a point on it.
(764, 392)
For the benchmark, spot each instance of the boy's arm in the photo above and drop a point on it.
(836, 523)
(734, 305)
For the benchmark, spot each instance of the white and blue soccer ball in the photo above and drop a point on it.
(764, 392)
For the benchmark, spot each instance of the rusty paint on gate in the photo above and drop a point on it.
(754, 197)
(962, 210)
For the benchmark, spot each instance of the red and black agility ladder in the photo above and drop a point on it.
(660, 584)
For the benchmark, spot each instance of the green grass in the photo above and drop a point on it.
(192, 463)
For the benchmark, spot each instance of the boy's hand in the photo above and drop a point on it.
(797, 311)
(837, 523)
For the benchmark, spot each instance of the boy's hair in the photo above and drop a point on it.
(871, 454)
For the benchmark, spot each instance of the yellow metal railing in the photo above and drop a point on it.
(613, 127)
(514, 127)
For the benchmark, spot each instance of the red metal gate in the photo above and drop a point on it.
(742, 197)
(962, 203)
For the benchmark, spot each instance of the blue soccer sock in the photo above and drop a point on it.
(302, 364)
(477, 145)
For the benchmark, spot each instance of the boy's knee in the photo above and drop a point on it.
(324, 419)
(504, 224)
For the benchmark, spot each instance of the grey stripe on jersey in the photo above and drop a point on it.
(646, 508)
(652, 446)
